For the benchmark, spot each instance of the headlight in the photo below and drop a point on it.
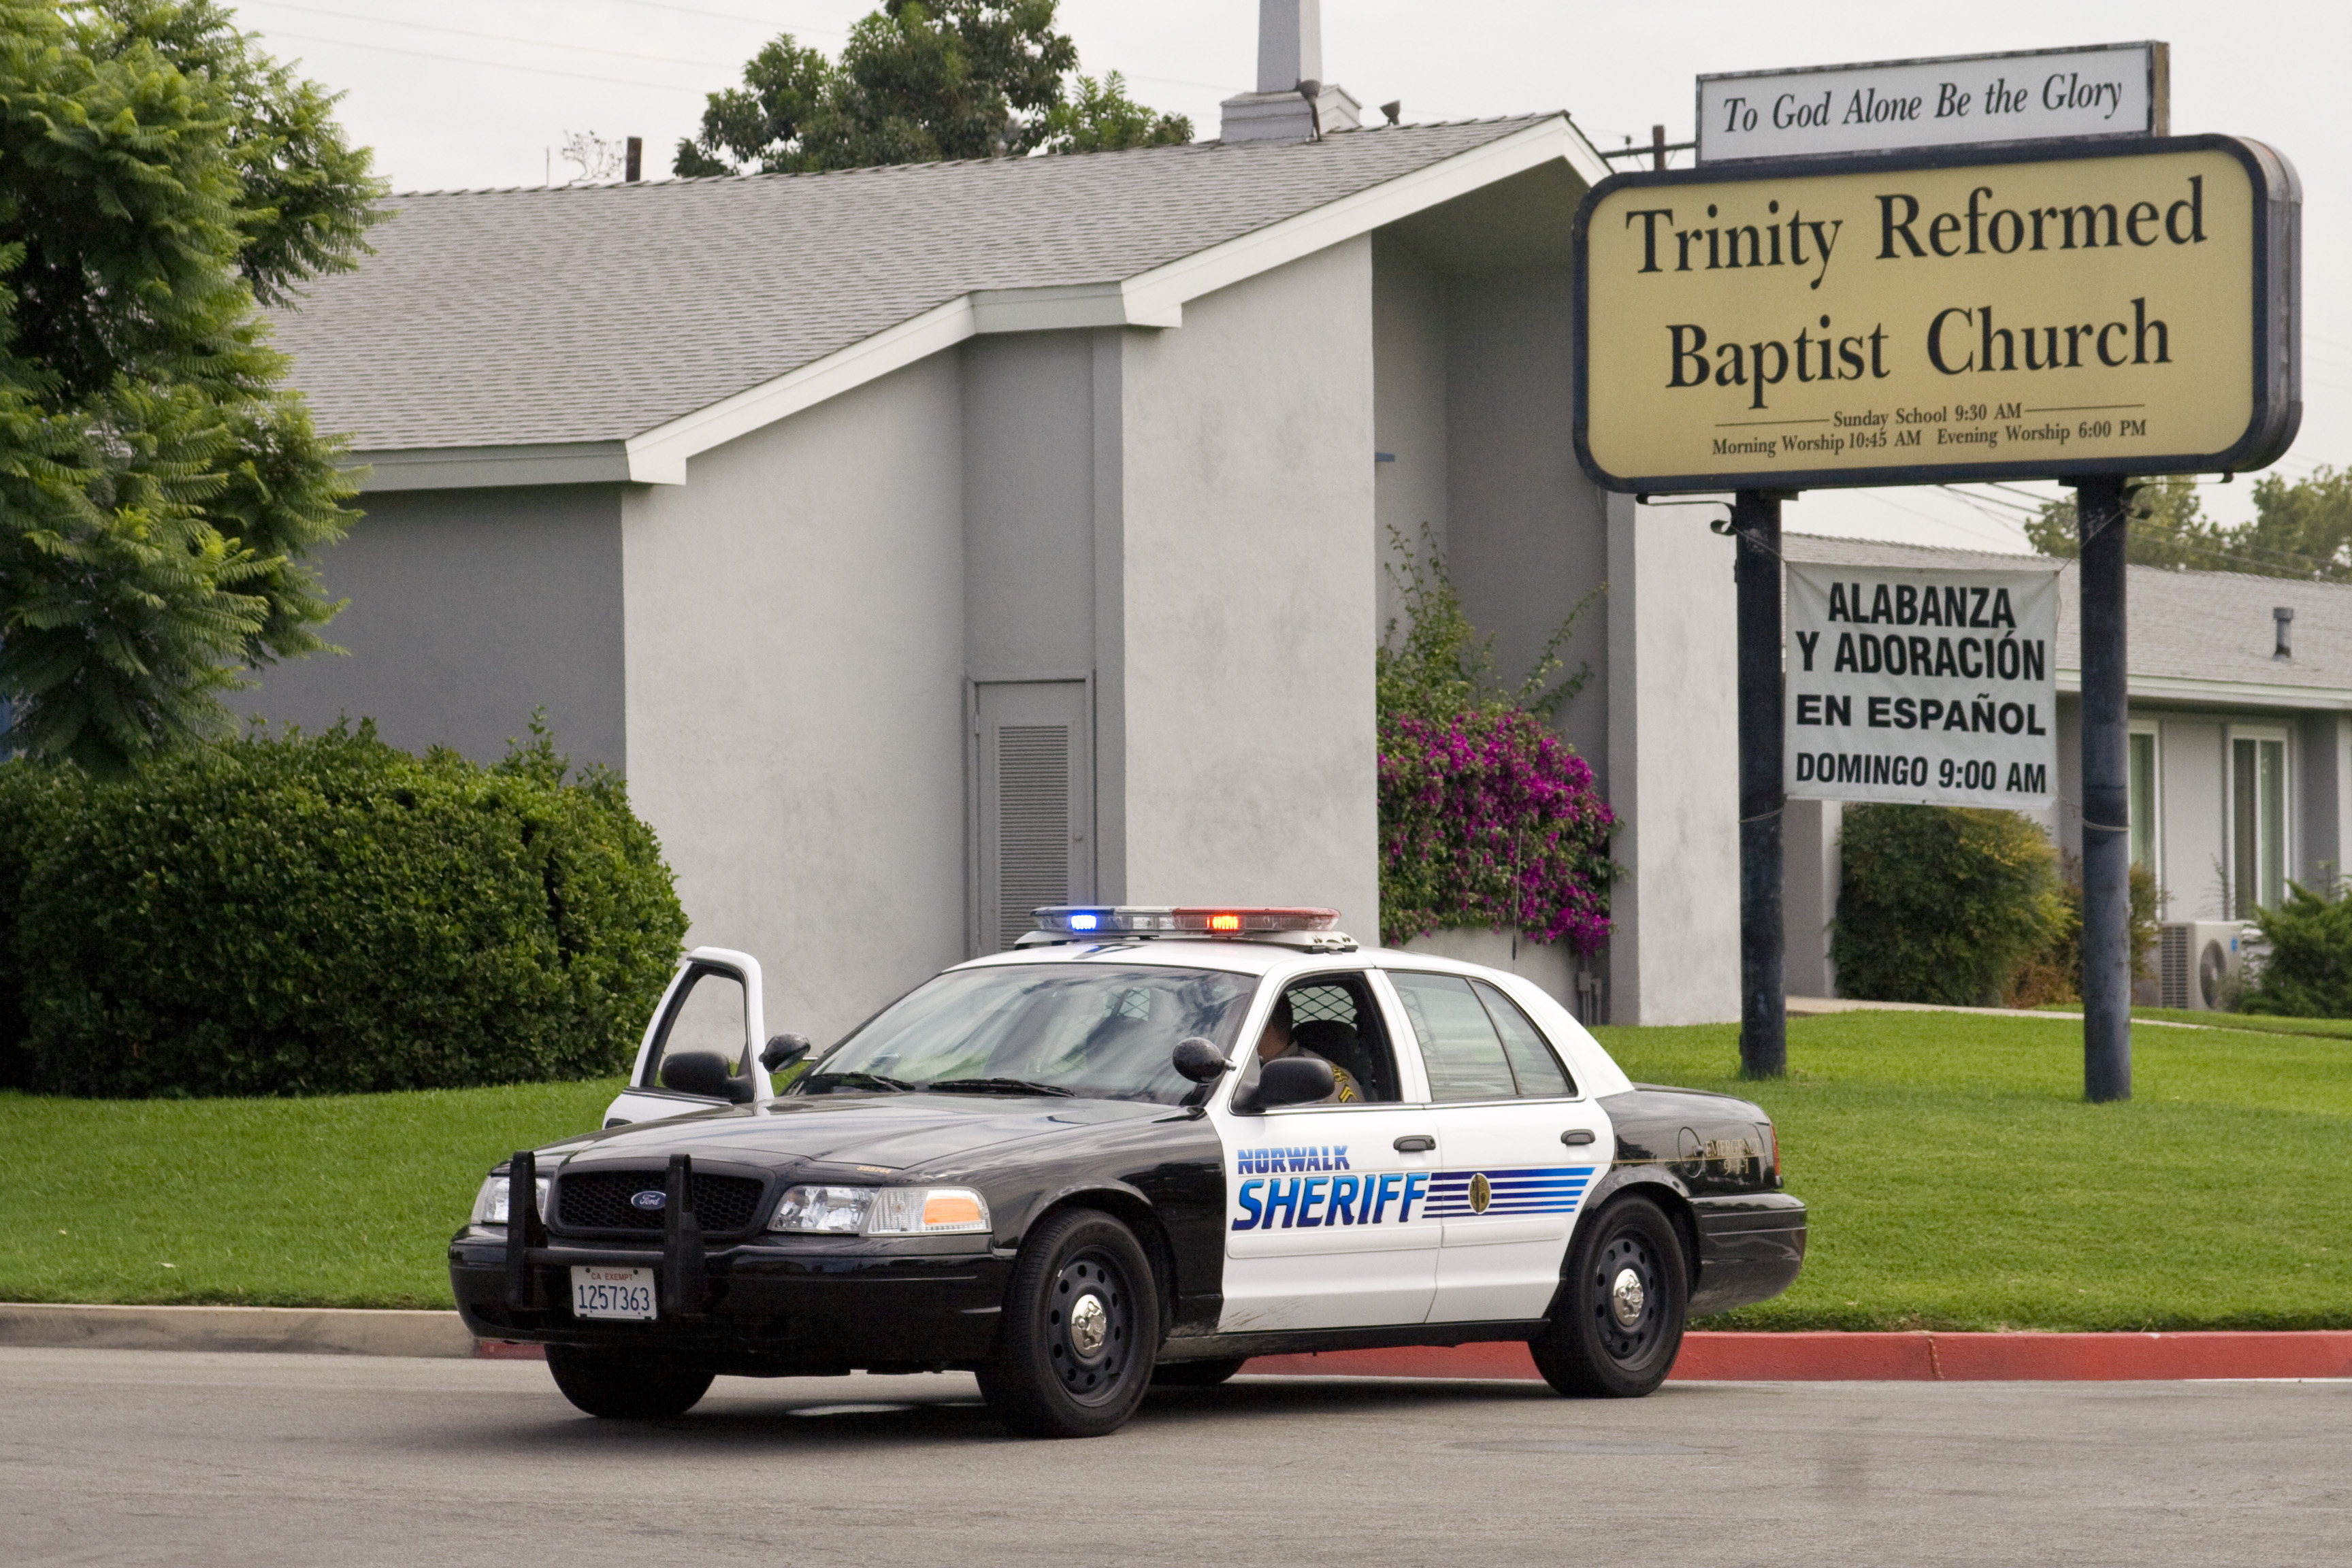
(490, 1202)
(880, 1211)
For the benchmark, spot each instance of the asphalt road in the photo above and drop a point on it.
(112, 1456)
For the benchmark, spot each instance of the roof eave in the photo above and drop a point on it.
(1154, 299)
(2219, 693)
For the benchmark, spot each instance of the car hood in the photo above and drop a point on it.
(878, 1133)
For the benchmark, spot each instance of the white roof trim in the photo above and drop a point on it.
(2222, 693)
(1153, 298)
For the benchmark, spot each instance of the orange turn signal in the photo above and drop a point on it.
(951, 1208)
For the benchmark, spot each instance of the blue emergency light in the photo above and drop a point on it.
(1157, 920)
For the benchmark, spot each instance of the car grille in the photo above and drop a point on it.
(599, 1200)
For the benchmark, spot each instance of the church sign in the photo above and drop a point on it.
(2037, 312)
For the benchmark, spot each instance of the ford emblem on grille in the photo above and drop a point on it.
(647, 1200)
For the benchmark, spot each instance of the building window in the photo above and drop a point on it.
(2257, 822)
(2143, 799)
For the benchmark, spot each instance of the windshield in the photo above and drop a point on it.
(1066, 1029)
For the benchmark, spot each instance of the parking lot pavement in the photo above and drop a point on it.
(110, 1457)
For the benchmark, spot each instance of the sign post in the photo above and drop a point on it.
(2106, 794)
(2074, 310)
(1763, 944)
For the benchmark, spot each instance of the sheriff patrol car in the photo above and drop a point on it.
(1142, 1147)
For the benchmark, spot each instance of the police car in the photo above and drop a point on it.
(1142, 1147)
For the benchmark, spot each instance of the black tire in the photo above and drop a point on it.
(625, 1386)
(1063, 1368)
(1617, 1324)
(1195, 1374)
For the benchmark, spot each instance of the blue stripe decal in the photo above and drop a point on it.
(1538, 1190)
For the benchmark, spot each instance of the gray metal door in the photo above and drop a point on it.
(1037, 804)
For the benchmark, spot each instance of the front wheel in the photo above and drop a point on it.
(1618, 1325)
(625, 1387)
(1080, 1328)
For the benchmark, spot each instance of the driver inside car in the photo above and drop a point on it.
(1276, 1041)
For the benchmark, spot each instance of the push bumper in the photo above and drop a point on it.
(762, 1306)
(1750, 1249)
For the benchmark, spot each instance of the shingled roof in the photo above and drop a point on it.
(2209, 632)
(511, 318)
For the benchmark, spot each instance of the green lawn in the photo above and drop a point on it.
(1954, 1175)
(2260, 1023)
(344, 1200)
(1957, 1179)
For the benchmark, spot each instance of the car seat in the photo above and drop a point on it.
(1339, 1045)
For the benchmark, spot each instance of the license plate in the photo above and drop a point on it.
(601, 1292)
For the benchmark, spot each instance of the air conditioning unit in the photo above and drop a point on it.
(2196, 958)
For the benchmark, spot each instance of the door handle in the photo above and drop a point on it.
(1415, 1144)
(1577, 1135)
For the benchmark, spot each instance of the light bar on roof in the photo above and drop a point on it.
(1152, 919)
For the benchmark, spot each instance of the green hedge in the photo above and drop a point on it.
(328, 914)
(1940, 903)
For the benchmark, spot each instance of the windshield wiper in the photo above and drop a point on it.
(998, 1085)
(825, 1080)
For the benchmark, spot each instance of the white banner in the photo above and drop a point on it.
(1922, 687)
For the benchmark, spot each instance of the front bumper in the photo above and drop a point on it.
(1751, 1247)
(761, 1307)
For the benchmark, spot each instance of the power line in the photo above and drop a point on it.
(491, 65)
(494, 37)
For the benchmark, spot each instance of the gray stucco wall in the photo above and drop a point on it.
(1526, 533)
(1409, 370)
(469, 608)
(1242, 737)
(795, 693)
(1029, 502)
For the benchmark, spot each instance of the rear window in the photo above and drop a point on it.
(1477, 1043)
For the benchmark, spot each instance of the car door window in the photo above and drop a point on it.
(1532, 1062)
(1459, 1045)
(707, 1015)
(1334, 1017)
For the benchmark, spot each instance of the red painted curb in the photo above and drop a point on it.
(507, 1350)
(1896, 1357)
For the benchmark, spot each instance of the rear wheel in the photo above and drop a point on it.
(626, 1385)
(1195, 1374)
(1080, 1323)
(1619, 1322)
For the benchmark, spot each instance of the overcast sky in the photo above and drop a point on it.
(454, 93)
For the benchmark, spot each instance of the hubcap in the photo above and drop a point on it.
(1625, 1288)
(1089, 1325)
(1090, 1329)
(1625, 1298)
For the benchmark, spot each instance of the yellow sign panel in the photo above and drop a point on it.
(1890, 321)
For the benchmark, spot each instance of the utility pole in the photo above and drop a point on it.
(1763, 943)
(2106, 793)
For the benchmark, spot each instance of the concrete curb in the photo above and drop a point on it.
(1705, 1357)
(313, 1331)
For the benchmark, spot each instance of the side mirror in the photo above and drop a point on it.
(1198, 1058)
(1293, 1080)
(704, 1073)
(782, 1051)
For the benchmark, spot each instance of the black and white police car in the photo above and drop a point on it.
(1142, 1147)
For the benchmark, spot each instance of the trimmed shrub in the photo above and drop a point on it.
(34, 801)
(2053, 973)
(328, 915)
(2306, 967)
(1940, 903)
